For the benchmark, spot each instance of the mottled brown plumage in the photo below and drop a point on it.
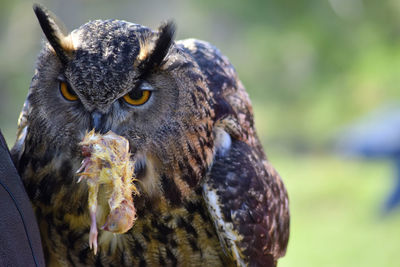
(207, 194)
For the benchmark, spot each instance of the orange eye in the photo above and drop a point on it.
(67, 92)
(137, 97)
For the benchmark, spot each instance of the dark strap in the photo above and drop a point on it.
(20, 243)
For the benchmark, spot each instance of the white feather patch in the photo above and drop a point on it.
(222, 141)
(225, 231)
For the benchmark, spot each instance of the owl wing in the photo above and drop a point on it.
(19, 146)
(244, 194)
(249, 206)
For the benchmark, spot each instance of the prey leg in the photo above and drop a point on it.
(93, 190)
(93, 232)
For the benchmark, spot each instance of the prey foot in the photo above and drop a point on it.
(93, 233)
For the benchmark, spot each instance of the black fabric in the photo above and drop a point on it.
(20, 243)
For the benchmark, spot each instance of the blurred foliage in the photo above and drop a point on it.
(310, 67)
(334, 213)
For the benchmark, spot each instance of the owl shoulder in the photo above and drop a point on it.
(219, 72)
(231, 103)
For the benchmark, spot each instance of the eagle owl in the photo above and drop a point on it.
(207, 194)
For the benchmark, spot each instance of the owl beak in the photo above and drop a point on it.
(98, 122)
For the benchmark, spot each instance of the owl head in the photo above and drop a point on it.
(119, 76)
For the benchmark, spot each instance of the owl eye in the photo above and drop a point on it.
(138, 96)
(67, 92)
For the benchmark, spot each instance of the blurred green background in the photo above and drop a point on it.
(310, 67)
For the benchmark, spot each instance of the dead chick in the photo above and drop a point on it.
(107, 163)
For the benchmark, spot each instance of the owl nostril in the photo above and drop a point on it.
(98, 122)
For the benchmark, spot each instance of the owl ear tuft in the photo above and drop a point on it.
(166, 33)
(163, 43)
(55, 32)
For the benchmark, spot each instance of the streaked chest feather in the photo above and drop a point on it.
(165, 233)
(162, 235)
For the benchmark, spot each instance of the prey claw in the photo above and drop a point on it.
(93, 241)
(93, 232)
